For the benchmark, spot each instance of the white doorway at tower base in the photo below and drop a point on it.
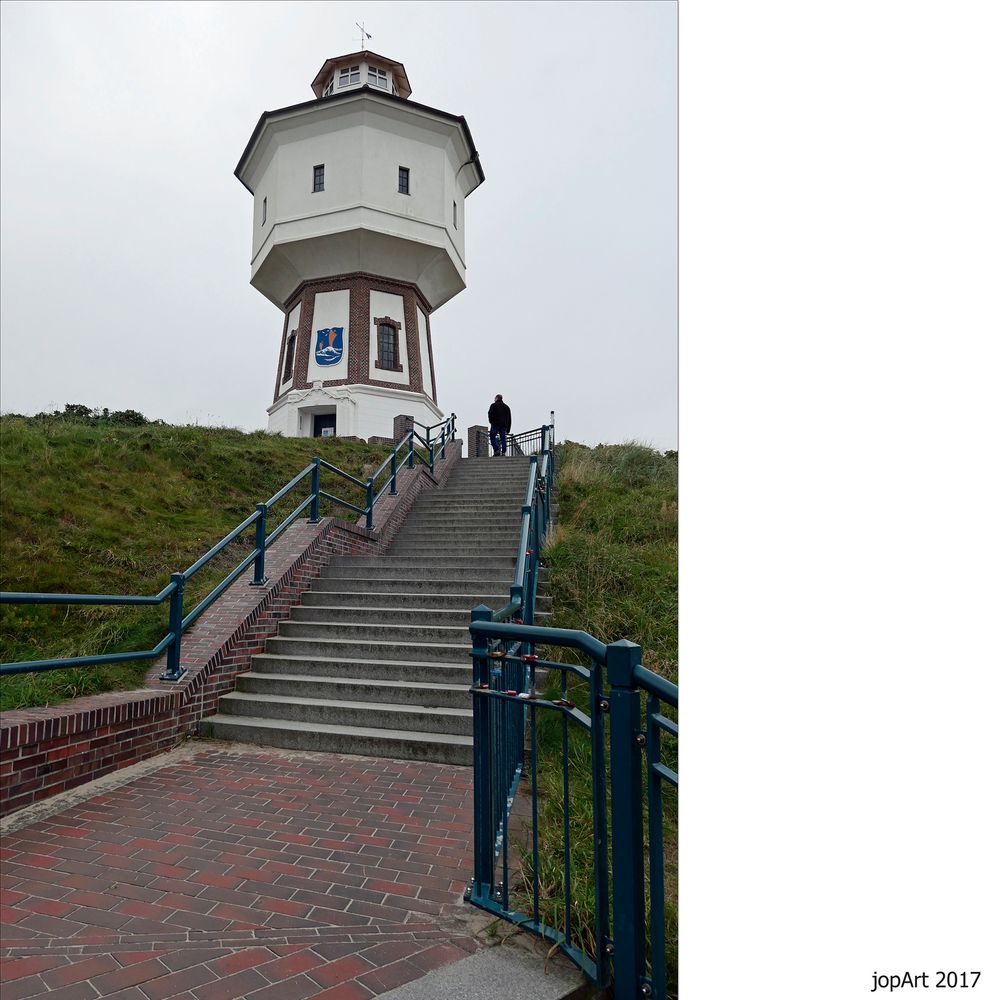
(361, 411)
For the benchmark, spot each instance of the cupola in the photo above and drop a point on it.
(361, 69)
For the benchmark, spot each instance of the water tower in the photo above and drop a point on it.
(358, 236)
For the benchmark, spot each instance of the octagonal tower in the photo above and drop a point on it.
(358, 236)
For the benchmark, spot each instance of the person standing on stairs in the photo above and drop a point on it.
(499, 417)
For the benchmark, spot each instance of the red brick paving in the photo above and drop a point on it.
(258, 874)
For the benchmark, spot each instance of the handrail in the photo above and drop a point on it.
(535, 519)
(404, 451)
(542, 636)
(11, 597)
(656, 685)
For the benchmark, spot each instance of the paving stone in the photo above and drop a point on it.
(388, 977)
(340, 970)
(239, 985)
(178, 982)
(193, 911)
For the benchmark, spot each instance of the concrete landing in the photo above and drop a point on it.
(501, 973)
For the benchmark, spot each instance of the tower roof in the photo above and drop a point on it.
(330, 67)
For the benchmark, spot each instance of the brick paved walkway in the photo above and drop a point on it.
(241, 873)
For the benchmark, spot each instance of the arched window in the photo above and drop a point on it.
(387, 340)
(289, 356)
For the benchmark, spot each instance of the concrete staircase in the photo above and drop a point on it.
(375, 661)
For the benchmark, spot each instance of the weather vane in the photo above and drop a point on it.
(364, 34)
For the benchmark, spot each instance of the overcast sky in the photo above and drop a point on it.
(126, 237)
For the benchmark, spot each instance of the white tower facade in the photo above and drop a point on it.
(358, 236)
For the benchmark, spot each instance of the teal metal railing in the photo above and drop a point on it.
(504, 661)
(506, 703)
(427, 448)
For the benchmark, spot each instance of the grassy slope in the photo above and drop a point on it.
(89, 508)
(613, 561)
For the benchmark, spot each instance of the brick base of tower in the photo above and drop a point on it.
(351, 389)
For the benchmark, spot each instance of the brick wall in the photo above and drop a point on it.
(48, 750)
(479, 434)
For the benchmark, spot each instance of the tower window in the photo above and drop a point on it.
(388, 345)
(318, 177)
(404, 180)
(263, 211)
(378, 77)
(289, 357)
(349, 76)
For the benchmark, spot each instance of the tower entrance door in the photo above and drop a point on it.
(324, 422)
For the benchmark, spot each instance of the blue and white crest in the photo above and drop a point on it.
(329, 345)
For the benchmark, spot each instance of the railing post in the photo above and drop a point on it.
(517, 594)
(314, 486)
(259, 579)
(369, 505)
(444, 439)
(409, 458)
(483, 833)
(392, 471)
(628, 884)
(454, 421)
(174, 670)
(430, 444)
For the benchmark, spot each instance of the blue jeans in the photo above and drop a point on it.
(498, 438)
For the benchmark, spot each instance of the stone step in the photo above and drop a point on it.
(441, 672)
(393, 561)
(375, 632)
(507, 523)
(362, 649)
(465, 539)
(502, 514)
(480, 530)
(371, 690)
(456, 551)
(515, 475)
(389, 585)
(389, 615)
(500, 492)
(423, 577)
(441, 748)
(367, 715)
(469, 505)
(452, 501)
(454, 547)
(391, 600)
(380, 616)
(499, 481)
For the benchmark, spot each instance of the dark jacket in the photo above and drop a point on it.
(499, 416)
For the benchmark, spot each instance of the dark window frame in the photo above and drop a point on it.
(454, 214)
(378, 77)
(263, 212)
(395, 327)
(319, 175)
(404, 180)
(289, 365)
